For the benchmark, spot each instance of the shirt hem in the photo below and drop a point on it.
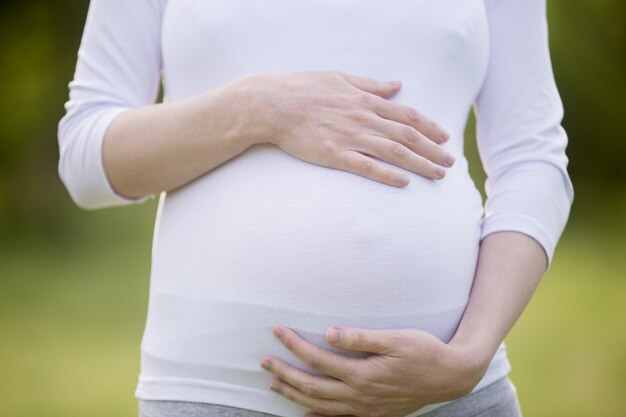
(269, 402)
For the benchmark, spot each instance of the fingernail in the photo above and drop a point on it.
(445, 136)
(278, 332)
(449, 159)
(394, 83)
(403, 180)
(334, 335)
(274, 386)
(266, 364)
(439, 172)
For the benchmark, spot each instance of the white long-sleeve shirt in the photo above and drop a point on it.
(266, 238)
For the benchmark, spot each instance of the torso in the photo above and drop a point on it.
(267, 238)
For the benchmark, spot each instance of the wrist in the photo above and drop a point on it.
(476, 351)
(256, 98)
(465, 368)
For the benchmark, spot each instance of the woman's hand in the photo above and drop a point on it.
(410, 368)
(332, 119)
(407, 370)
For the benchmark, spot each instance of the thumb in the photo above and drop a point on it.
(360, 340)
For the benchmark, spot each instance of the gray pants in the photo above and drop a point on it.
(495, 400)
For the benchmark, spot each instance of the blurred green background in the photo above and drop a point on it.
(73, 284)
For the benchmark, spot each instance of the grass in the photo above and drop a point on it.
(72, 315)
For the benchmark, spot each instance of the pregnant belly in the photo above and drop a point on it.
(267, 238)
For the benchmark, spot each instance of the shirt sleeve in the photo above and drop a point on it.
(520, 138)
(118, 68)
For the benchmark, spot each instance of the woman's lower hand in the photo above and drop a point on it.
(338, 120)
(407, 369)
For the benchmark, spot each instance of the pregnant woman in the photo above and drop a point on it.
(317, 228)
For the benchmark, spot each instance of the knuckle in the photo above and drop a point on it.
(313, 361)
(379, 103)
(351, 377)
(410, 134)
(360, 116)
(279, 370)
(369, 401)
(321, 409)
(413, 115)
(347, 131)
(327, 148)
(359, 338)
(397, 149)
(359, 382)
(342, 160)
(310, 389)
(338, 160)
(289, 394)
(368, 381)
(366, 100)
(337, 101)
(367, 166)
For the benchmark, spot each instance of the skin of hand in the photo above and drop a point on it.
(323, 117)
(407, 368)
(332, 118)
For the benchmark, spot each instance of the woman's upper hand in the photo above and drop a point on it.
(336, 120)
(407, 369)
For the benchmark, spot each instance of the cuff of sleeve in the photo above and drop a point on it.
(109, 197)
(517, 222)
(81, 166)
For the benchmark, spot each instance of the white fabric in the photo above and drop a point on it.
(267, 238)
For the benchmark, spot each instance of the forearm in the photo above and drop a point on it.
(510, 267)
(164, 146)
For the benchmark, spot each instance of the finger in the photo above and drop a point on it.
(363, 340)
(311, 385)
(380, 88)
(409, 116)
(413, 139)
(319, 415)
(399, 155)
(322, 360)
(319, 406)
(365, 166)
